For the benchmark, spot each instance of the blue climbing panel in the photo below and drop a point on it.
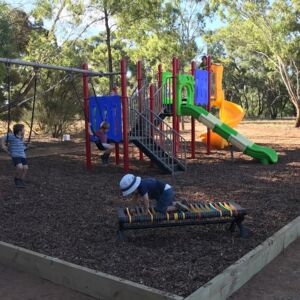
(107, 108)
(201, 87)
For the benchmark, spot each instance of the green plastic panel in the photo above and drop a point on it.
(167, 82)
(184, 82)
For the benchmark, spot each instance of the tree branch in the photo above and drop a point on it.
(297, 78)
(268, 57)
(57, 17)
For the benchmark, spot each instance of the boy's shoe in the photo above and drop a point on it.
(180, 206)
(104, 158)
(19, 183)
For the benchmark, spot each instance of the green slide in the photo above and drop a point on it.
(264, 154)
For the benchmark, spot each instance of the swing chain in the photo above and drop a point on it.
(8, 68)
(93, 88)
(36, 76)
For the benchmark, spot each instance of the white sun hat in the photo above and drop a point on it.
(129, 183)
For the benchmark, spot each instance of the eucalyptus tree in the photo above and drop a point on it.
(268, 29)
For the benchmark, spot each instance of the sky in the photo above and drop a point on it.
(64, 31)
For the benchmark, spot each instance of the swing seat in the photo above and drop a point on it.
(95, 139)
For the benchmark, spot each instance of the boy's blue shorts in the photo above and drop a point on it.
(165, 200)
(19, 160)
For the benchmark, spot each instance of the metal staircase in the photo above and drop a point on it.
(153, 136)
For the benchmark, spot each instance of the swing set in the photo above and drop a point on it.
(96, 109)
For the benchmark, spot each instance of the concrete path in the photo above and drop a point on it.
(15, 285)
(280, 280)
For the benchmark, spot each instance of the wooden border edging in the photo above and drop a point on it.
(81, 279)
(235, 276)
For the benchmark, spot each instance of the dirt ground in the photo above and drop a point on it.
(70, 213)
(279, 280)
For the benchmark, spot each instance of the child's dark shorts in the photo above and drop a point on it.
(165, 200)
(19, 160)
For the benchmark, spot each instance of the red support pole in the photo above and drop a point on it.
(193, 139)
(208, 103)
(174, 75)
(161, 108)
(151, 105)
(125, 114)
(151, 93)
(178, 118)
(159, 79)
(117, 146)
(178, 66)
(86, 118)
(117, 153)
(140, 84)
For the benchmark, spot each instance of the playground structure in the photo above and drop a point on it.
(144, 113)
(186, 214)
(139, 119)
(209, 92)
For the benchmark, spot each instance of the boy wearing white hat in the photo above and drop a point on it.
(149, 188)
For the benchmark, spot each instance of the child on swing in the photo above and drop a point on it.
(103, 142)
(16, 149)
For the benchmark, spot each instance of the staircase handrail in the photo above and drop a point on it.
(167, 135)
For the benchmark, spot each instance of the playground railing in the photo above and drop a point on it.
(163, 98)
(160, 143)
(172, 134)
(158, 105)
(149, 129)
(139, 98)
(137, 102)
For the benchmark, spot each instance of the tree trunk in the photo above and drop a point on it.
(297, 124)
(109, 54)
(273, 113)
(292, 90)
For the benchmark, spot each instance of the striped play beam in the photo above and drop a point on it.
(193, 213)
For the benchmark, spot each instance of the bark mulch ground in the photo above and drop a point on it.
(70, 213)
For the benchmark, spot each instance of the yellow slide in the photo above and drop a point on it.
(229, 113)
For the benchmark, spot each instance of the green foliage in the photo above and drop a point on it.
(258, 45)
(163, 30)
(264, 34)
(15, 30)
(59, 108)
(7, 43)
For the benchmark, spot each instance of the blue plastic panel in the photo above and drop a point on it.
(201, 87)
(107, 108)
